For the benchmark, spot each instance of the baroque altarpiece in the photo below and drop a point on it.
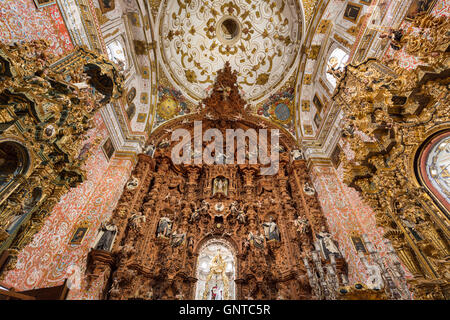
(219, 231)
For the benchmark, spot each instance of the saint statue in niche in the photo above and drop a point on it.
(271, 230)
(164, 227)
(195, 215)
(241, 217)
(30, 199)
(326, 244)
(105, 236)
(220, 185)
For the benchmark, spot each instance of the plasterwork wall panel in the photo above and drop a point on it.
(22, 21)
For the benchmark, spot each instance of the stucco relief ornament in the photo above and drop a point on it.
(218, 32)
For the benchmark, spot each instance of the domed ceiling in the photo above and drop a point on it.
(260, 39)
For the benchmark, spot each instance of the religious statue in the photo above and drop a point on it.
(395, 36)
(177, 239)
(190, 245)
(220, 186)
(271, 230)
(105, 237)
(326, 244)
(225, 92)
(256, 240)
(164, 227)
(164, 143)
(301, 223)
(133, 183)
(375, 279)
(115, 287)
(135, 221)
(15, 221)
(308, 189)
(205, 207)
(220, 290)
(234, 208)
(241, 217)
(195, 215)
(297, 155)
(149, 295)
(412, 228)
(19, 209)
(149, 150)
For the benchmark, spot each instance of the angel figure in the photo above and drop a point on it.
(164, 227)
(135, 221)
(256, 239)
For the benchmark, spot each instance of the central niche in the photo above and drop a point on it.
(216, 271)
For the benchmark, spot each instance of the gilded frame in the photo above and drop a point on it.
(43, 3)
(354, 5)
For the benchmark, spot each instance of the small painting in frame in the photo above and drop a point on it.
(419, 6)
(107, 5)
(317, 103)
(108, 148)
(352, 12)
(366, 2)
(359, 244)
(44, 3)
(336, 156)
(317, 120)
(79, 233)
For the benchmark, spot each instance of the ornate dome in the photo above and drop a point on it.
(260, 40)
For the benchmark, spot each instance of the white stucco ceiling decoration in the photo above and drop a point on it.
(260, 39)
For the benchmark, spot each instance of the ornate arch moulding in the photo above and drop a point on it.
(418, 163)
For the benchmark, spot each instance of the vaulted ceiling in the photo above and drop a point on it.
(260, 39)
(280, 49)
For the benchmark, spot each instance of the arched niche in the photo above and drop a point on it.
(433, 167)
(14, 161)
(216, 271)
